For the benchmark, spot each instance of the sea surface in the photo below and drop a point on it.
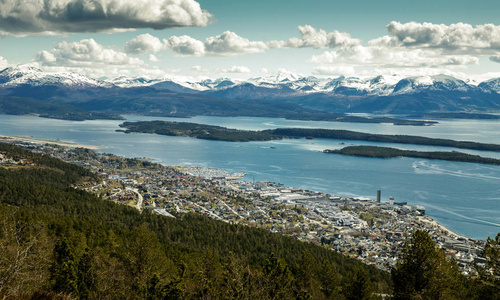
(464, 197)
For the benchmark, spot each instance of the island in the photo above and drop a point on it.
(332, 117)
(211, 132)
(199, 131)
(456, 115)
(387, 152)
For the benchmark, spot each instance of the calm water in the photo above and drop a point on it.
(464, 197)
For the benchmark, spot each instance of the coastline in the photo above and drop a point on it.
(433, 223)
(29, 139)
(429, 221)
(204, 171)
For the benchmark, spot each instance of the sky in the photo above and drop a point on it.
(188, 39)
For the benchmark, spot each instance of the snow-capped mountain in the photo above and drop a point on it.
(491, 85)
(383, 93)
(285, 82)
(24, 75)
(412, 85)
(126, 82)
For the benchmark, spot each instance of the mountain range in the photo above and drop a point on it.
(276, 95)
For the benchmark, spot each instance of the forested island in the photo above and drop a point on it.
(210, 132)
(456, 115)
(199, 131)
(386, 152)
(331, 117)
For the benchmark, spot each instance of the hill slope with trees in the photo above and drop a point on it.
(57, 241)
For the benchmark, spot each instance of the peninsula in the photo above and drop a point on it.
(210, 132)
(386, 152)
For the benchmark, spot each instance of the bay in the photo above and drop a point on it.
(462, 196)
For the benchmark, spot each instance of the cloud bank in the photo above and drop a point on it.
(50, 17)
(86, 53)
(229, 43)
(459, 36)
(319, 38)
(226, 44)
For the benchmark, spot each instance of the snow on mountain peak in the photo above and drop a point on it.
(19, 75)
(284, 81)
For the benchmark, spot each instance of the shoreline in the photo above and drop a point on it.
(43, 141)
(427, 219)
(432, 222)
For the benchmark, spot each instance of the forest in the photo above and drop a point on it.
(199, 131)
(57, 242)
(210, 132)
(78, 246)
(381, 138)
(387, 152)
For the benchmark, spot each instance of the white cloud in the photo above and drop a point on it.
(264, 70)
(185, 45)
(229, 43)
(153, 58)
(319, 38)
(391, 57)
(454, 37)
(199, 69)
(87, 54)
(226, 44)
(143, 43)
(236, 69)
(333, 70)
(48, 17)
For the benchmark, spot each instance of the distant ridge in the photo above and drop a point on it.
(383, 94)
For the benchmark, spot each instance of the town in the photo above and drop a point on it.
(369, 230)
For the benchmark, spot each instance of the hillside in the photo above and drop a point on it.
(77, 245)
(31, 106)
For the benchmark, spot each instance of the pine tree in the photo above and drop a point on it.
(64, 272)
(279, 278)
(357, 286)
(490, 278)
(423, 272)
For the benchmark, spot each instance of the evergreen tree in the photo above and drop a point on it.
(423, 272)
(356, 285)
(64, 272)
(490, 277)
(279, 279)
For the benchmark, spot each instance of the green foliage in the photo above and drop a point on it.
(279, 279)
(356, 285)
(381, 138)
(200, 131)
(386, 152)
(423, 272)
(490, 277)
(211, 132)
(83, 247)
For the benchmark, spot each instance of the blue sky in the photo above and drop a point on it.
(188, 39)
